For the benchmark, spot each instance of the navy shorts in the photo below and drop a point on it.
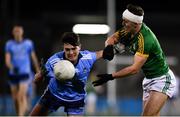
(51, 102)
(16, 79)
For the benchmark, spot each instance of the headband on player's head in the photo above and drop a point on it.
(132, 17)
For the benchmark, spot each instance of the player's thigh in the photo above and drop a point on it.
(23, 86)
(76, 108)
(154, 104)
(14, 90)
(39, 110)
(78, 111)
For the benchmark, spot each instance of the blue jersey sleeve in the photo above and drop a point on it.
(7, 46)
(30, 44)
(49, 68)
(90, 54)
(93, 54)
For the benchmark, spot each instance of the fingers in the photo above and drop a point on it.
(100, 75)
(103, 78)
(96, 83)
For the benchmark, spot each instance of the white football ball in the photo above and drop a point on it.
(64, 70)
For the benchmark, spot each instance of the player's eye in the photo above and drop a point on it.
(73, 48)
(69, 49)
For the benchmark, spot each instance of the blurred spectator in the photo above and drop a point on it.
(19, 52)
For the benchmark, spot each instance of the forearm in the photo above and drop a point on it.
(35, 62)
(9, 65)
(112, 39)
(8, 61)
(36, 65)
(99, 54)
(125, 72)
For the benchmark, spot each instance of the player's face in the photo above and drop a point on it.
(71, 52)
(18, 33)
(129, 26)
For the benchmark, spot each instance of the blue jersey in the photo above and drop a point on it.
(68, 91)
(20, 55)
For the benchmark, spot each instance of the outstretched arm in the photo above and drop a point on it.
(116, 43)
(108, 52)
(42, 73)
(132, 69)
(99, 54)
(112, 39)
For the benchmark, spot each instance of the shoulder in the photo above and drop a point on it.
(86, 54)
(146, 35)
(147, 32)
(55, 57)
(28, 41)
(146, 39)
(10, 42)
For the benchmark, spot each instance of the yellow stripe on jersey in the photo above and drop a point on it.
(140, 43)
(117, 34)
(122, 32)
(143, 55)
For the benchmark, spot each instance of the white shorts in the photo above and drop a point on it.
(165, 84)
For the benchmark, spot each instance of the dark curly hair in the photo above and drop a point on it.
(71, 38)
(135, 9)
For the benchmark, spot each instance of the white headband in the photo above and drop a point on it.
(132, 17)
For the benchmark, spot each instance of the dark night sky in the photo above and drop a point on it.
(35, 8)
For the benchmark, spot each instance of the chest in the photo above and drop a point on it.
(83, 69)
(19, 49)
(133, 47)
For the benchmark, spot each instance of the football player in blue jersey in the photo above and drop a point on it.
(69, 94)
(19, 52)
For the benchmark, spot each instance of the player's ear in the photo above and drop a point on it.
(79, 47)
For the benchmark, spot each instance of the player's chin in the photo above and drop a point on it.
(72, 59)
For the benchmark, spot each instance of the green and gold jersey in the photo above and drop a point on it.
(146, 44)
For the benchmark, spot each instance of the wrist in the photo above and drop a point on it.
(111, 77)
(38, 77)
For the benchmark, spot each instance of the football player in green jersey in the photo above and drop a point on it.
(159, 82)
